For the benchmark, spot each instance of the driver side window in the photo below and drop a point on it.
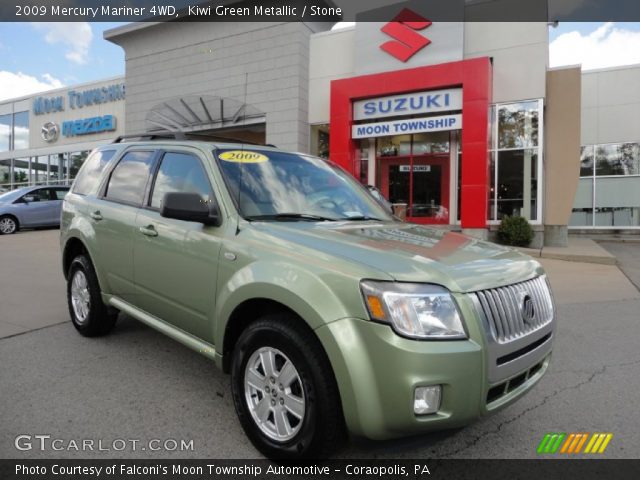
(39, 195)
(180, 172)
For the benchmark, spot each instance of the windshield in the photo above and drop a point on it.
(286, 185)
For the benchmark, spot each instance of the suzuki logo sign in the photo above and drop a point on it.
(404, 31)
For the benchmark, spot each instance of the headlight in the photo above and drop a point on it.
(414, 310)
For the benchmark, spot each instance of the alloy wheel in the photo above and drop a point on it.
(274, 394)
(7, 225)
(80, 297)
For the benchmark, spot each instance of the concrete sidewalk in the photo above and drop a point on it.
(580, 249)
(583, 283)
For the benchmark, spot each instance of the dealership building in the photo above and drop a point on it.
(459, 124)
(44, 138)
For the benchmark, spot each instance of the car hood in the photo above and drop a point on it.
(412, 253)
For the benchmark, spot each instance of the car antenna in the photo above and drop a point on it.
(241, 182)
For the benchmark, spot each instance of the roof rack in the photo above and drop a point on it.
(151, 136)
(185, 136)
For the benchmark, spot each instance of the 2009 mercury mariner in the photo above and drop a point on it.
(330, 315)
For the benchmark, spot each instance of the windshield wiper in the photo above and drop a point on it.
(291, 217)
(360, 218)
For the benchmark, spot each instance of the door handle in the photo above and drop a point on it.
(96, 215)
(149, 231)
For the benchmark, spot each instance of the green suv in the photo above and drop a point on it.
(331, 315)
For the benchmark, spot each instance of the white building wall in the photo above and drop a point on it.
(180, 59)
(611, 105)
(332, 57)
(520, 53)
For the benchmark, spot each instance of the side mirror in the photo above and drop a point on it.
(189, 207)
(28, 199)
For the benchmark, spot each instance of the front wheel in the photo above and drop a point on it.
(89, 314)
(284, 391)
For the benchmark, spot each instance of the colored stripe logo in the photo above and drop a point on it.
(574, 443)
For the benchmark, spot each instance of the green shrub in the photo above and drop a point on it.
(515, 231)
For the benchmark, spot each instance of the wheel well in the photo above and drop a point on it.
(72, 249)
(243, 315)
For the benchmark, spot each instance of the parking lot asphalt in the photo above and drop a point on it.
(628, 256)
(136, 384)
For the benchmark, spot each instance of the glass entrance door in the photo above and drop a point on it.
(419, 178)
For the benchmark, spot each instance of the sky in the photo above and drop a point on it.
(36, 57)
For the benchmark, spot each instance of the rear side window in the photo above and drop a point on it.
(89, 175)
(180, 172)
(129, 178)
(59, 193)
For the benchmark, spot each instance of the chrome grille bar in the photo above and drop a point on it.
(503, 308)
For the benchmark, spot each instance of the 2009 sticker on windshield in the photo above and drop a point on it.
(241, 156)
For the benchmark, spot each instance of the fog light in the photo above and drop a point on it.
(426, 400)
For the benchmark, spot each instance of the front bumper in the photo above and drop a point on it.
(377, 372)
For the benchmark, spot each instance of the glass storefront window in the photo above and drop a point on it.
(582, 213)
(39, 170)
(609, 190)
(320, 140)
(76, 159)
(5, 174)
(20, 130)
(363, 155)
(399, 145)
(586, 161)
(617, 202)
(510, 189)
(20, 172)
(60, 162)
(425, 143)
(518, 125)
(617, 159)
(414, 173)
(5, 132)
(515, 162)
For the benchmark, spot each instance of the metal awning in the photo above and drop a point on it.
(199, 113)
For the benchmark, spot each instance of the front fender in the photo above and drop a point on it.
(306, 293)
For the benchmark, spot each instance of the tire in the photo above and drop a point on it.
(89, 314)
(319, 427)
(8, 225)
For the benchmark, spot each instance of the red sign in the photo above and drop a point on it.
(404, 31)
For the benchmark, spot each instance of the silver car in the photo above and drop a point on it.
(30, 207)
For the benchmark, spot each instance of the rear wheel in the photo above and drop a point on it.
(8, 225)
(284, 391)
(89, 314)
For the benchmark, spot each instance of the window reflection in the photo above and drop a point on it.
(518, 125)
(515, 161)
(180, 173)
(617, 159)
(129, 178)
(609, 191)
(586, 161)
(5, 132)
(291, 183)
(90, 175)
(20, 130)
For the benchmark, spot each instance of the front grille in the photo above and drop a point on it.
(503, 308)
